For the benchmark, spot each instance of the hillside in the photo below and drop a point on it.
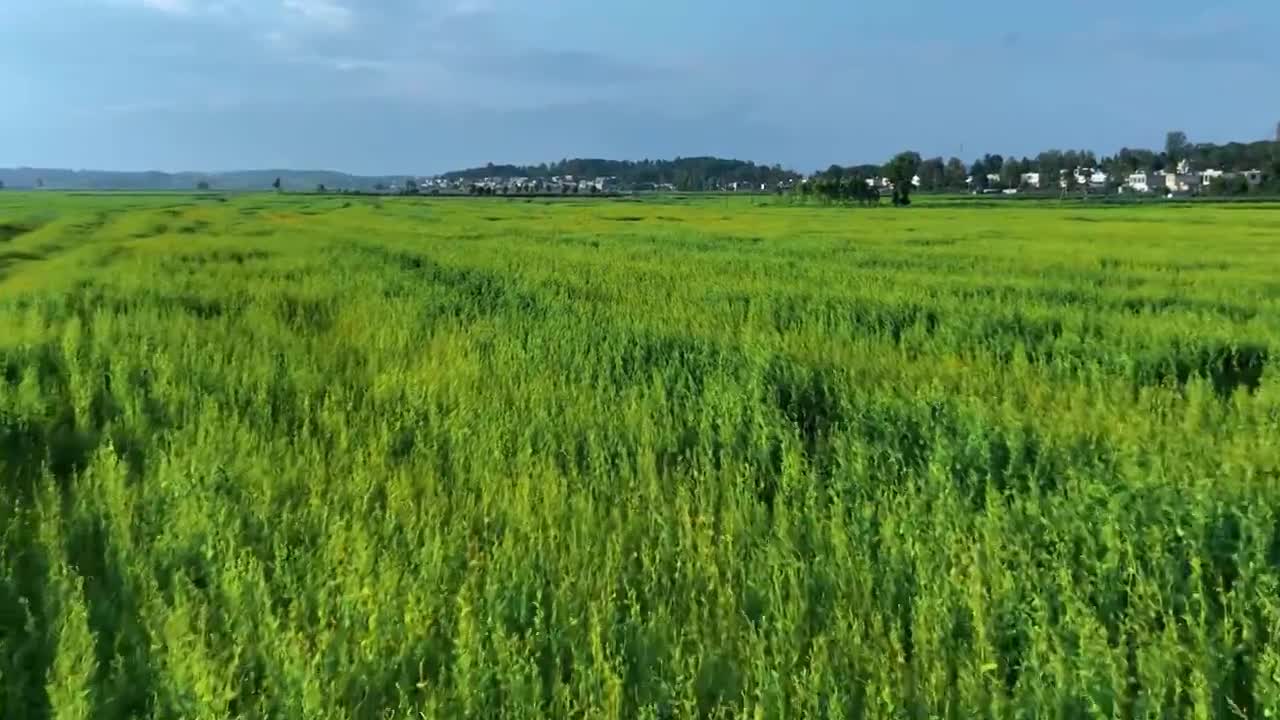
(694, 173)
(685, 173)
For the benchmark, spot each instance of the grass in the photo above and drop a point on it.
(356, 458)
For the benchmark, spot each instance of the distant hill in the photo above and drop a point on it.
(695, 173)
(60, 179)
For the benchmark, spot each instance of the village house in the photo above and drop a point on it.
(1092, 178)
(1031, 179)
(1206, 177)
(1181, 182)
(1145, 181)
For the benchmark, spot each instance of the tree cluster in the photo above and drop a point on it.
(862, 184)
(901, 172)
(839, 189)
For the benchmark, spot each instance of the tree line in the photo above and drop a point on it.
(936, 174)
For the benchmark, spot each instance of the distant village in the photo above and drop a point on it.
(563, 184)
(1184, 180)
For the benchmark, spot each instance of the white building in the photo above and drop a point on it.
(1253, 177)
(607, 184)
(1181, 182)
(1081, 176)
(1031, 179)
(1144, 181)
(1091, 177)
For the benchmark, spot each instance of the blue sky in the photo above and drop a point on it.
(418, 86)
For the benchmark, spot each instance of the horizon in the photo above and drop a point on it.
(399, 87)
(1155, 147)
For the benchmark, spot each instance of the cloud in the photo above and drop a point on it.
(572, 68)
(175, 7)
(326, 13)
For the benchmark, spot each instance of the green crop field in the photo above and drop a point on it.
(306, 457)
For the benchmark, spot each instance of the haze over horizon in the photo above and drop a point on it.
(423, 86)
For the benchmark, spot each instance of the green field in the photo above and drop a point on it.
(290, 457)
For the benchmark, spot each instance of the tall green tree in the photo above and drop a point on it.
(1050, 166)
(979, 173)
(933, 174)
(954, 175)
(1176, 147)
(1011, 173)
(900, 171)
(993, 163)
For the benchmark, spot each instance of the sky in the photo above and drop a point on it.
(424, 86)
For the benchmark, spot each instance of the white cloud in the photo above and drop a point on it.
(321, 12)
(325, 14)
(173, 7)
